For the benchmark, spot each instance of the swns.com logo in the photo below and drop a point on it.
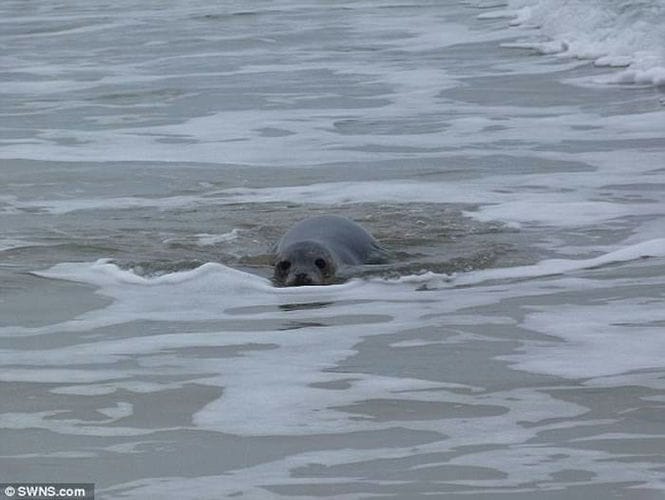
(50, 491)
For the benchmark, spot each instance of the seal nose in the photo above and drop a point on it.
(302, 279)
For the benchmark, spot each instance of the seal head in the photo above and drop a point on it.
(305, 263)
(322, 250)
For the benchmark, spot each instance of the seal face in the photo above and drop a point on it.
(315, 250)
(305, 263)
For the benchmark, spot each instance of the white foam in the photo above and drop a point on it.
(552, 213)
(205, 239)
(600, 339)
(280, 382)
(120, 410)
(550, 267)
(103, 273)
(65, 206)
(214, 291)
(294, 362)
(284, 362)
(110, 388)
(459, 432)
(612, 33)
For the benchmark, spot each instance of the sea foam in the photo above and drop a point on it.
(612, 33)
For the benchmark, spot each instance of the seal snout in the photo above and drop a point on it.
(301, 279)
(302, 275)
(304, 263)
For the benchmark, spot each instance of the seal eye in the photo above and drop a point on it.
(320, 263)
(284, 265)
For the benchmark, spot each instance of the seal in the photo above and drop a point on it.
(318, 250)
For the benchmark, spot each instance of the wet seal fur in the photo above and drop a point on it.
(320, 250)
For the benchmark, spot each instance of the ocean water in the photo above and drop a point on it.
(510, 154)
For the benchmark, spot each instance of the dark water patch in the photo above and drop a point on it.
(218, 352)
(632, 411)
(656, 144)
(134, 97)
(31, 301)
(296, 306)
(389, 410)
(154, 241)
(274, 132)
(350, 320)
(420, 237)
(413, 126)
(335, 385)
(48, 27)
(184, 452)
(526, 90)
(299, 325)
(437, 473)
(448, 360)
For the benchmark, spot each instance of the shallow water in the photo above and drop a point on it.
(152, 154)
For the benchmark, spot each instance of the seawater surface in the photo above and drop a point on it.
(509, 155)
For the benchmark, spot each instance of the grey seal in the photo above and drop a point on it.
(319, 250)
